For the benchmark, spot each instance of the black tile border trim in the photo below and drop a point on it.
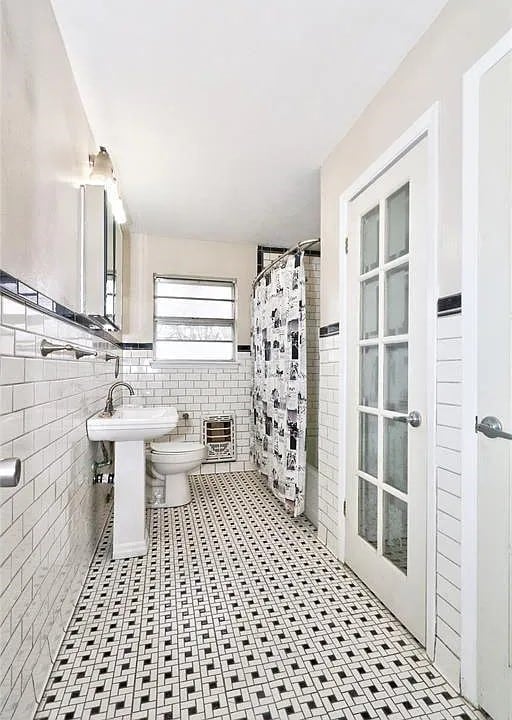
(136, 346)
(262, 249)
(149, 346)
(259, 260)
(328, 330)
(449, 305)
(15, 289)
(276, 251)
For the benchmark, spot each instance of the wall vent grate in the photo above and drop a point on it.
(219, 437)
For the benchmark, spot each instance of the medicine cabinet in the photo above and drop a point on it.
(102, 259)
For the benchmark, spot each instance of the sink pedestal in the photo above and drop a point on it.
(129, 500)
(128, 427)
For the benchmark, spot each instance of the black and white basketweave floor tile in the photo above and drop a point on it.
(237, 612)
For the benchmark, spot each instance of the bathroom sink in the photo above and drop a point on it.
(128, 427)
(132, 423)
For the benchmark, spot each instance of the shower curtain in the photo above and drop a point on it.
(279, 393)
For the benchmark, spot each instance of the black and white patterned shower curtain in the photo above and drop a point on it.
(279, 393)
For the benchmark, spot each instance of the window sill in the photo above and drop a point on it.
(164, 364)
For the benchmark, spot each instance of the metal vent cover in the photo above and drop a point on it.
(219, 438)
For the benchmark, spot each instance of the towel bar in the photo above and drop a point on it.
(47, 348)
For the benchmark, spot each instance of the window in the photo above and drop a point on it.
(194, 320)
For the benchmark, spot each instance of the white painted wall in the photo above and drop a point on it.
(431, 72)
(44, 148)
(146, 255)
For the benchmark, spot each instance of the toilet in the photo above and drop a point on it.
(171, 462)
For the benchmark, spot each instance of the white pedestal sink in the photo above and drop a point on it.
(128, 428)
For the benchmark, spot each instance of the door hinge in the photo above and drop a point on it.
(344, 508)
(346, 245)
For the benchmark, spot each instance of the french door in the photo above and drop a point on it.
(386, 387)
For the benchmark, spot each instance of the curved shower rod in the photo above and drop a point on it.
(302, 245)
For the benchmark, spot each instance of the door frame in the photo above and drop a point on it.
(425, 128)
(470, 229)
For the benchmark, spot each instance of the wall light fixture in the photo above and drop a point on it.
(102, 173)
(102, 169)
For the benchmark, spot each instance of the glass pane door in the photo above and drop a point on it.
(383, 378)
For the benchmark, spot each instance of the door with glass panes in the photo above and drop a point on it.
(386, 387)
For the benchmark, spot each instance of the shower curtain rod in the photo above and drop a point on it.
(302, 245)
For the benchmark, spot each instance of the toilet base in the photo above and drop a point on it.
(168, 465)
(177, 490)
(167, 490)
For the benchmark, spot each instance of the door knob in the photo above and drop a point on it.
(492, 428)
(413, 418)
(10, 472)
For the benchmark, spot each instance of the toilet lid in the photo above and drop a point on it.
(176, 447)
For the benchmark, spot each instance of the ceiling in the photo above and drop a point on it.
(219, 113)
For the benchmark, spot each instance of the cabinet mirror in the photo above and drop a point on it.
(102, 240)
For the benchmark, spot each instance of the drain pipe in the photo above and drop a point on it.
(98, 465)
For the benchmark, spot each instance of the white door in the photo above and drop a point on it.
(387, 387)
(494, 394)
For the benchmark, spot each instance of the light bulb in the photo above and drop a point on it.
(102, 170)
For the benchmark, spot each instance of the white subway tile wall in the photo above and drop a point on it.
(312, 266)
(200, 392)
(50, 523)
(448, 476)
(328, 461)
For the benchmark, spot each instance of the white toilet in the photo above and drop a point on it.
(172, 462)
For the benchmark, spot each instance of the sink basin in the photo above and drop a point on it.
(132, 423)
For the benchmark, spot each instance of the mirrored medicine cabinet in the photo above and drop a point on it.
(102, 259)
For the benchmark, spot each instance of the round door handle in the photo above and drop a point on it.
(413, 418)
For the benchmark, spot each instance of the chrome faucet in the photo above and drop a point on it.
(109, 405)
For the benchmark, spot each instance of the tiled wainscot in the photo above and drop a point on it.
(448, 484)
(328, 460)
(51, 522)
(199, 391)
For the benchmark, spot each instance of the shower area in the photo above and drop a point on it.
(285, 350)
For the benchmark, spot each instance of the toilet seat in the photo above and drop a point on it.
(169, 448)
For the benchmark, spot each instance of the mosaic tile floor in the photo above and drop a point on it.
(237, 612)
